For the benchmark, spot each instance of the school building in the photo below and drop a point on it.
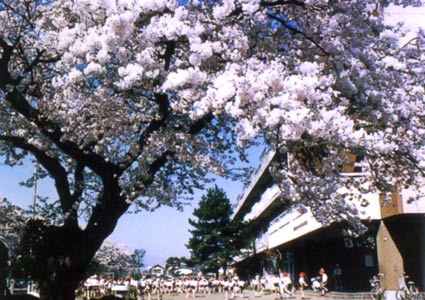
(283, 239)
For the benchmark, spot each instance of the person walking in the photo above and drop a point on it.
(303, 284)
(323, 281)
(285, 285)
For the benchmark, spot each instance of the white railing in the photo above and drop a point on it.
(291, 225)
(267, 198)
(266, 158)
(244, 254)
(261, 243)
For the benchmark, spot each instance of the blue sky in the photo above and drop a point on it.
(162, 233)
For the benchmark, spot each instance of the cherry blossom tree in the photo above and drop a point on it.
(129, 104)
(86, 90)
(12, 223)
(117, 259)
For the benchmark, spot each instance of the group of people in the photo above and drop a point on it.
(190, 286)
(147, 287)
(283, 285)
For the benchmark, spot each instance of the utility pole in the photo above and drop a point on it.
(34, 195)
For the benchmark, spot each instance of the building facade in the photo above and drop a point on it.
(285, 239)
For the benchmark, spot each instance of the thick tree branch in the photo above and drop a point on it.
(78, 181)
(156, 165)
(52, 165)
(111, 205)
(168, 155)
(53, 132)
(5, 77)
(164, 109)
(77, 193)
(200, 124)
(238, 10)
(297, 31)
(169, 51)
(34, 63)
(281, 2)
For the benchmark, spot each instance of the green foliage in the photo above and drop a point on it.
(12, 223)
(216, 239)
(172, 264)
(47, 210)
(137, 258)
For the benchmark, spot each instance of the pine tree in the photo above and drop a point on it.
(215, 238)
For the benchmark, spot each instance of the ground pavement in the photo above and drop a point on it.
(249, 295)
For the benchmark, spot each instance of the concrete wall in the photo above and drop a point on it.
(389, 258)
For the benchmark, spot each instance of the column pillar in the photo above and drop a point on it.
(390, 261)
(422, 253)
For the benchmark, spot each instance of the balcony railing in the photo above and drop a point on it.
(265, 159)
(261, 243)
(267, 198)
(290, 225)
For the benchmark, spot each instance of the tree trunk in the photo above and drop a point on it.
(57, 290)
(57, 258)
(4, 257)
